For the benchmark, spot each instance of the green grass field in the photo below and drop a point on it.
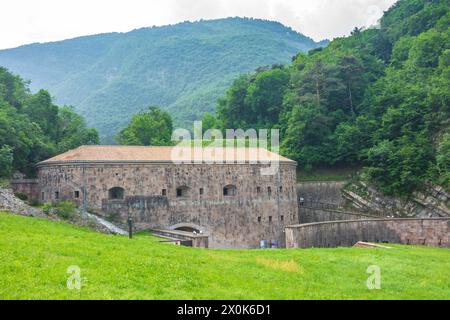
(35, 255)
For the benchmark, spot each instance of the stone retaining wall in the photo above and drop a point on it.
(30, 187)
(311, 215)
(432, 232)
(321, 191)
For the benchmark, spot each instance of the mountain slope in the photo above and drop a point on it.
(377, 99)
(183, 68)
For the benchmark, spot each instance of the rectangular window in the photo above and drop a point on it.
(164, 192)
(229, 191)
(270, 219)
(282, 218)
(259, 219)
(201, 191)
(258, 190)
(281, 189)
(77, 194)
(269, 190)
(57, 195)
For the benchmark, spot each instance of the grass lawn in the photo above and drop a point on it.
(35, 255)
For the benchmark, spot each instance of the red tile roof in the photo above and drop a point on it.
(165, 154)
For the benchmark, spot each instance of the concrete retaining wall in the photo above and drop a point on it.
(432, 232)
(325, 192)
(312, 215)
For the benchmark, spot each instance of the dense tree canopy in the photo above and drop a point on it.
(379, 98)
(256, 100)
(32, 128)
(151, 128)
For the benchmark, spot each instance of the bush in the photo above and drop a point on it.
(64, 209)
(35, 203)
(22, 196)
(6, 161)
(443, 161)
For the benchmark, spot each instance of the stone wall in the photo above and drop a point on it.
(432, 232)
(323, 192)
(29, 187)
(255, 213)
(433, 201)
(310, 214)
(323, 201)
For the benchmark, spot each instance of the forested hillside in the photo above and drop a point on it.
(379, 98)
(33, 128)
(182, 68)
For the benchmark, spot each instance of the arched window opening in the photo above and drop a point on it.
(182, 192)
(116, 193)
(229, 191)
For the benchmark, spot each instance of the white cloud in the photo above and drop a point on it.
(27, 21)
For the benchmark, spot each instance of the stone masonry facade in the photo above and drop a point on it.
(234, 204)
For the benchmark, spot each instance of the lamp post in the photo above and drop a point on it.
(130, 227)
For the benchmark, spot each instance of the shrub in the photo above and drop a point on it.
(22, 196)
(35, 203)
(64, 209)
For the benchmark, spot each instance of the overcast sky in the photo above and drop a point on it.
(28, 21)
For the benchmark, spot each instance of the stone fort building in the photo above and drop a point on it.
(236, 197)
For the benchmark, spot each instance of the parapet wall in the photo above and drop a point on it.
(432, 232)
